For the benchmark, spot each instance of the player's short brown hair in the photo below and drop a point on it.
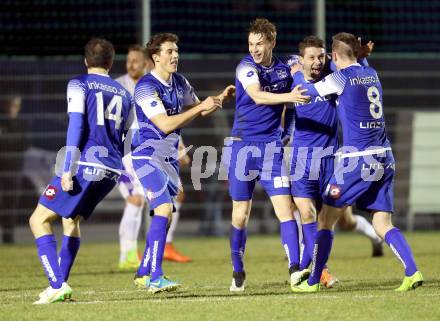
(153, 46)
(138, 48)
(346, 44)
(310, 41)
(99, 53)
(263, 27)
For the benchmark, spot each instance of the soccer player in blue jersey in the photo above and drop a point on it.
(160, 97)
(98, 109)
(364, 173)
(262, 88)
(137, 65)
(316, 130)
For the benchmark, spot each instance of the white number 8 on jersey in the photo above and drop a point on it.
(374, 98)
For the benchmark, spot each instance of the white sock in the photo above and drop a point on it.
(365, 228)
(173, 226)
(129, 229)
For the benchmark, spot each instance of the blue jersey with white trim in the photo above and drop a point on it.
(259, 123)
(316, 122)
(106, 107)
(154, 96)
(360, 108)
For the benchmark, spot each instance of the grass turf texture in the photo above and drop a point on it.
(101, 292)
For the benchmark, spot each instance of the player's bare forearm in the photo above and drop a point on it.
(168, 124)
(267, 98)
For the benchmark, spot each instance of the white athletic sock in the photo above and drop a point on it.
(173, 226)
(365, 228)
(129, 229)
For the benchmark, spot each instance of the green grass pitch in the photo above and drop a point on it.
(101, 292)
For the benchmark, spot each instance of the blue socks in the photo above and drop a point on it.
(69, 249)
(321, 253)
(290, 242)
(396, 241)
(238, 244)
(145, 266)
(309, 233)
(156, 239)
(47, 252)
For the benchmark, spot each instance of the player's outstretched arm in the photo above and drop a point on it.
(227, 93)
(168, 124)
(261, 97)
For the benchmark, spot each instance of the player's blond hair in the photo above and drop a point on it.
(263, 27)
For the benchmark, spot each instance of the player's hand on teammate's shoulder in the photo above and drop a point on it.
(298, 95)
(365, 49)
(67, 182)
(296, 68)
(228, 93)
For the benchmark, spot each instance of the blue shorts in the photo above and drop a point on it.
(370, 184)
(309, 177)
(90, 186)
(160, 180)
(252, 162)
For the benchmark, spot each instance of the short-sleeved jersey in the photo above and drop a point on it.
(316, 122)
(259, 123)
(106, 106)
(154, 96)
(360, 108)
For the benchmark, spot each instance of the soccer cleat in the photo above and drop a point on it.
(299, 276)
(304, 287)
(238, 281)
(131, 261)
(162, 284)
(377, 249)
(411, 282)
(327, 279)
(51, 295)
(141, 282)
(171, 254)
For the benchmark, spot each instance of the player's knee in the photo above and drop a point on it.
(346, 224)
(136, 200)
(382, 223)
(328, 217)
(240, 212)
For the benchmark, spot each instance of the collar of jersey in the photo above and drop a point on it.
(97, 73)
(163, 82)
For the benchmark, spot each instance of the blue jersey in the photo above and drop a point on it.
(316, 122)
(359, 105)
(106, 107)
(154, 96)
(259, 123)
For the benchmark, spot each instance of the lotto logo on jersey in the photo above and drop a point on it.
(153, 103)
(50, 192)
(150, 195)
(334, 191)
(250, 73)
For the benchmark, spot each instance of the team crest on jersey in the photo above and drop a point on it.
(50, 192)
(282, 73)
(334, 191)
